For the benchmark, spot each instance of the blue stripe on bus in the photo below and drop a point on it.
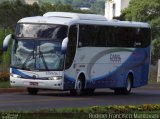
(118, 77)
(69, 82)
(16, 71)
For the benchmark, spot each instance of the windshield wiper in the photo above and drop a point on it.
(29, 56)
(42, 57)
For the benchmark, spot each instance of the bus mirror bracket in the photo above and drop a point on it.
(6, 42)
(64, 45)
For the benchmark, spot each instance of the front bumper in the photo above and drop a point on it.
(37, 83)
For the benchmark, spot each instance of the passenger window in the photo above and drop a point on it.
(72, 43)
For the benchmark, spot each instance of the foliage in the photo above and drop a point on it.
(155, 23)
(101, 109)
(4, 85)
(57, 7)
(4, 76)
(155, 50)
(96, 6)
(146, 11)
(12, 11)
(89, 112)
(4, 57)
(142, 10)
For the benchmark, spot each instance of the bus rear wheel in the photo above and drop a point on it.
(127, 89)
(32, 91)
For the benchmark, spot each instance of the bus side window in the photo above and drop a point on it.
(81, 36)
(71, 49)
(108, 36)
(137, 38)
(145, 40)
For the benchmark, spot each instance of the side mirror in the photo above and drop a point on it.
(6, 41)
(64, 45)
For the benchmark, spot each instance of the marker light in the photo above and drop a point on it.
(55, 78)
(15, 75)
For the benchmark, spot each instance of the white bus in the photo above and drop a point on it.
(79, 53)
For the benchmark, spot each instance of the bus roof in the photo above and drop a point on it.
(68, 18)
(76, 16)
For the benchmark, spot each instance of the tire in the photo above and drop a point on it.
(79, 87)
(32, 91)
(127, 89)
(79, 90)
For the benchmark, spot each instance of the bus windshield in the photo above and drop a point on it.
(43, 31)
(37, 55)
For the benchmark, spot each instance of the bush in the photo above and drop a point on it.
(4, 76)
(155, 51)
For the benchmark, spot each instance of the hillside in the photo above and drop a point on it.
(96, 6)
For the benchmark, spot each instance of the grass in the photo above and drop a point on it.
(5, 84)
(88, 112)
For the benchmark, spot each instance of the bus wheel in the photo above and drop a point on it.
(32, 91)
(127, 89)
(79, 87)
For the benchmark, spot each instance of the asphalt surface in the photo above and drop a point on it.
(52, 99)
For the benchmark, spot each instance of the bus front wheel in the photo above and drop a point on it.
(79, 87)
(32, 91)
(79, 90)
(127, 89)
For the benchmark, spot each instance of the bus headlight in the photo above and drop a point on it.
(55, 78)
(15, 75)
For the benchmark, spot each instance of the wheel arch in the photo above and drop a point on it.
(131, 75)
(81, 76)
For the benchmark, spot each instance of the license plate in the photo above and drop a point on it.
(33, 83)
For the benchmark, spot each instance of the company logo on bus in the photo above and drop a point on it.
(52, 73)
(115, 58)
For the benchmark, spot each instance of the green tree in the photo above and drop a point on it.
(47, 7)
(98, 6)
(77, 3)
(12, 11)
(4, 57)
(146, 11)
(155, 50)
(142, 10)
(67, 2)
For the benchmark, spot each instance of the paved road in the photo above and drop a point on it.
(23, 101)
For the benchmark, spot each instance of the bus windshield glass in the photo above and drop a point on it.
(37, 55)
(47, 31)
